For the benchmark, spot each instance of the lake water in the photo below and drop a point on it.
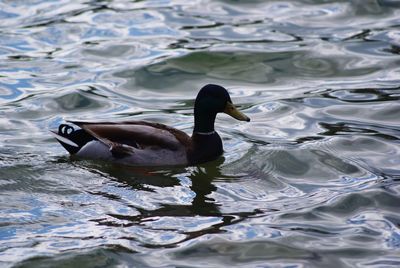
(312, 181)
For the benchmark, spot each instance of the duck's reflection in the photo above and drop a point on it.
(202, 184)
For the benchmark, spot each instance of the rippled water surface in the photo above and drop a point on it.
(312, 181)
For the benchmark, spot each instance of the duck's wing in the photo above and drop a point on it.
(124, 137)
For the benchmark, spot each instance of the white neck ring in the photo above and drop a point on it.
(205, 133)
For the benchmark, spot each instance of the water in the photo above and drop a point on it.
(311, 181)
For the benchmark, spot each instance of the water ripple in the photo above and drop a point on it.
(311, 181)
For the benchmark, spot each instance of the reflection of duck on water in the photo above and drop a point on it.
(202, 204)
(151, 144)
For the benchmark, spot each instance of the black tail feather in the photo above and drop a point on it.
(78, 137)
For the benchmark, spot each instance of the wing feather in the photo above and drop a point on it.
(136, 134)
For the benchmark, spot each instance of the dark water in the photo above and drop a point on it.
(312, 181)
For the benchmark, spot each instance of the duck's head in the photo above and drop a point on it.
(210, 100)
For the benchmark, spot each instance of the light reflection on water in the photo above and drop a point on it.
(311, 181)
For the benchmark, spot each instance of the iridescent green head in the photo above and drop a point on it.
(210, 100)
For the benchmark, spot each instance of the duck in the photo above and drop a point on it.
(143, 143)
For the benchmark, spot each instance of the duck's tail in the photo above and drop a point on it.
(72, 140)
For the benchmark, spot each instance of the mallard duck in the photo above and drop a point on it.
(144, 143)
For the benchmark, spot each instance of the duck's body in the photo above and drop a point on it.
(151, 144)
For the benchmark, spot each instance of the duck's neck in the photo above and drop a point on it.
(204, 123)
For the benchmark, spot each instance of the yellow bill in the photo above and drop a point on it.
(235, 113)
